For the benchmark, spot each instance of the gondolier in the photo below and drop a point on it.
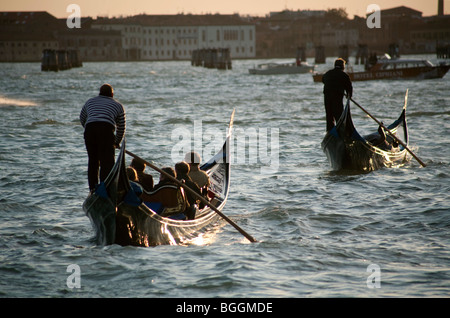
(336, 82)
(103, 119)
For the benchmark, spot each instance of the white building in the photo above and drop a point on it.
(174, 37)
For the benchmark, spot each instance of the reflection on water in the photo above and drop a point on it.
(317, 230)
(4, 101)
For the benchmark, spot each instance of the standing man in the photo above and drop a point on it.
(336, 82)
(101, 117)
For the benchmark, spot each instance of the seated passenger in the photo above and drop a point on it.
(166, 198)
(200, 177)
(182, 171)
(381, 142)
(144, 179)
(132, 176)
(133, 195)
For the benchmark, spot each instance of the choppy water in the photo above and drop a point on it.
(318, 231)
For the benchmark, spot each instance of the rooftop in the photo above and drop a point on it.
(177, 20)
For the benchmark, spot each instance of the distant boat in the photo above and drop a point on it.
(281, 68)
(346, 149)
(387, 68)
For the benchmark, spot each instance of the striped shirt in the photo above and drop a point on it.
(104, 109)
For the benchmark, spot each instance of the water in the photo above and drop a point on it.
(318, 231)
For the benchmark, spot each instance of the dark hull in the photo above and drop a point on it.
(138, 225)
(118, 215)
(100, 205)
(417, 73)
(346, 149)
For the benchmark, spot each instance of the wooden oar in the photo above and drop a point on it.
(390, 133)
(202, 199)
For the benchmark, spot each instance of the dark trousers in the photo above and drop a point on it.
(333, 108)
(99, 139)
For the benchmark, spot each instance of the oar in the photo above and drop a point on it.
(202, 199)
(390, 133)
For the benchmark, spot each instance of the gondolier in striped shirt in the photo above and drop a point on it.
(103, 119)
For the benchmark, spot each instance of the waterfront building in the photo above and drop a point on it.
(175, 37)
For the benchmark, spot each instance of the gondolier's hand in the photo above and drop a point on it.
(116, 145)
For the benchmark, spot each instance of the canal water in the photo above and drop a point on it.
(320, 233)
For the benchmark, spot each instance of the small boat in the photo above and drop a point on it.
(281, 68)
(387, 68)
(346, 149)
(119, 216)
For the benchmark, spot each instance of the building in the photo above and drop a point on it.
(24, 35)
(174, 37)
(433, 33)
(92, 44)
(396, 25)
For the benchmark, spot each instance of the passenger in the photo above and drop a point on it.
(144, 179)
(182, 171)
(133, 177)
(166, 198)
(200, 177)
(132, 174)
(381, 142)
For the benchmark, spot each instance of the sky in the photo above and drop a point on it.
(114, 8)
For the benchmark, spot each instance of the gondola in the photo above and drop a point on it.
(346, 149)
(120, 217)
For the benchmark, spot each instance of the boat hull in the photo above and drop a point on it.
(418, 73)
(137, 224)
(100, 205)
(347, 150)
(119, 216)
(140, 226)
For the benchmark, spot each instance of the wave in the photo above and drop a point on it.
(5, 101)
(46, 122)
(428, 113)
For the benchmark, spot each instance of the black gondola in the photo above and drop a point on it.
(346, 149)
(119, 216)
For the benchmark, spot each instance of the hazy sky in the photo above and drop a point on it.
(112, 8)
